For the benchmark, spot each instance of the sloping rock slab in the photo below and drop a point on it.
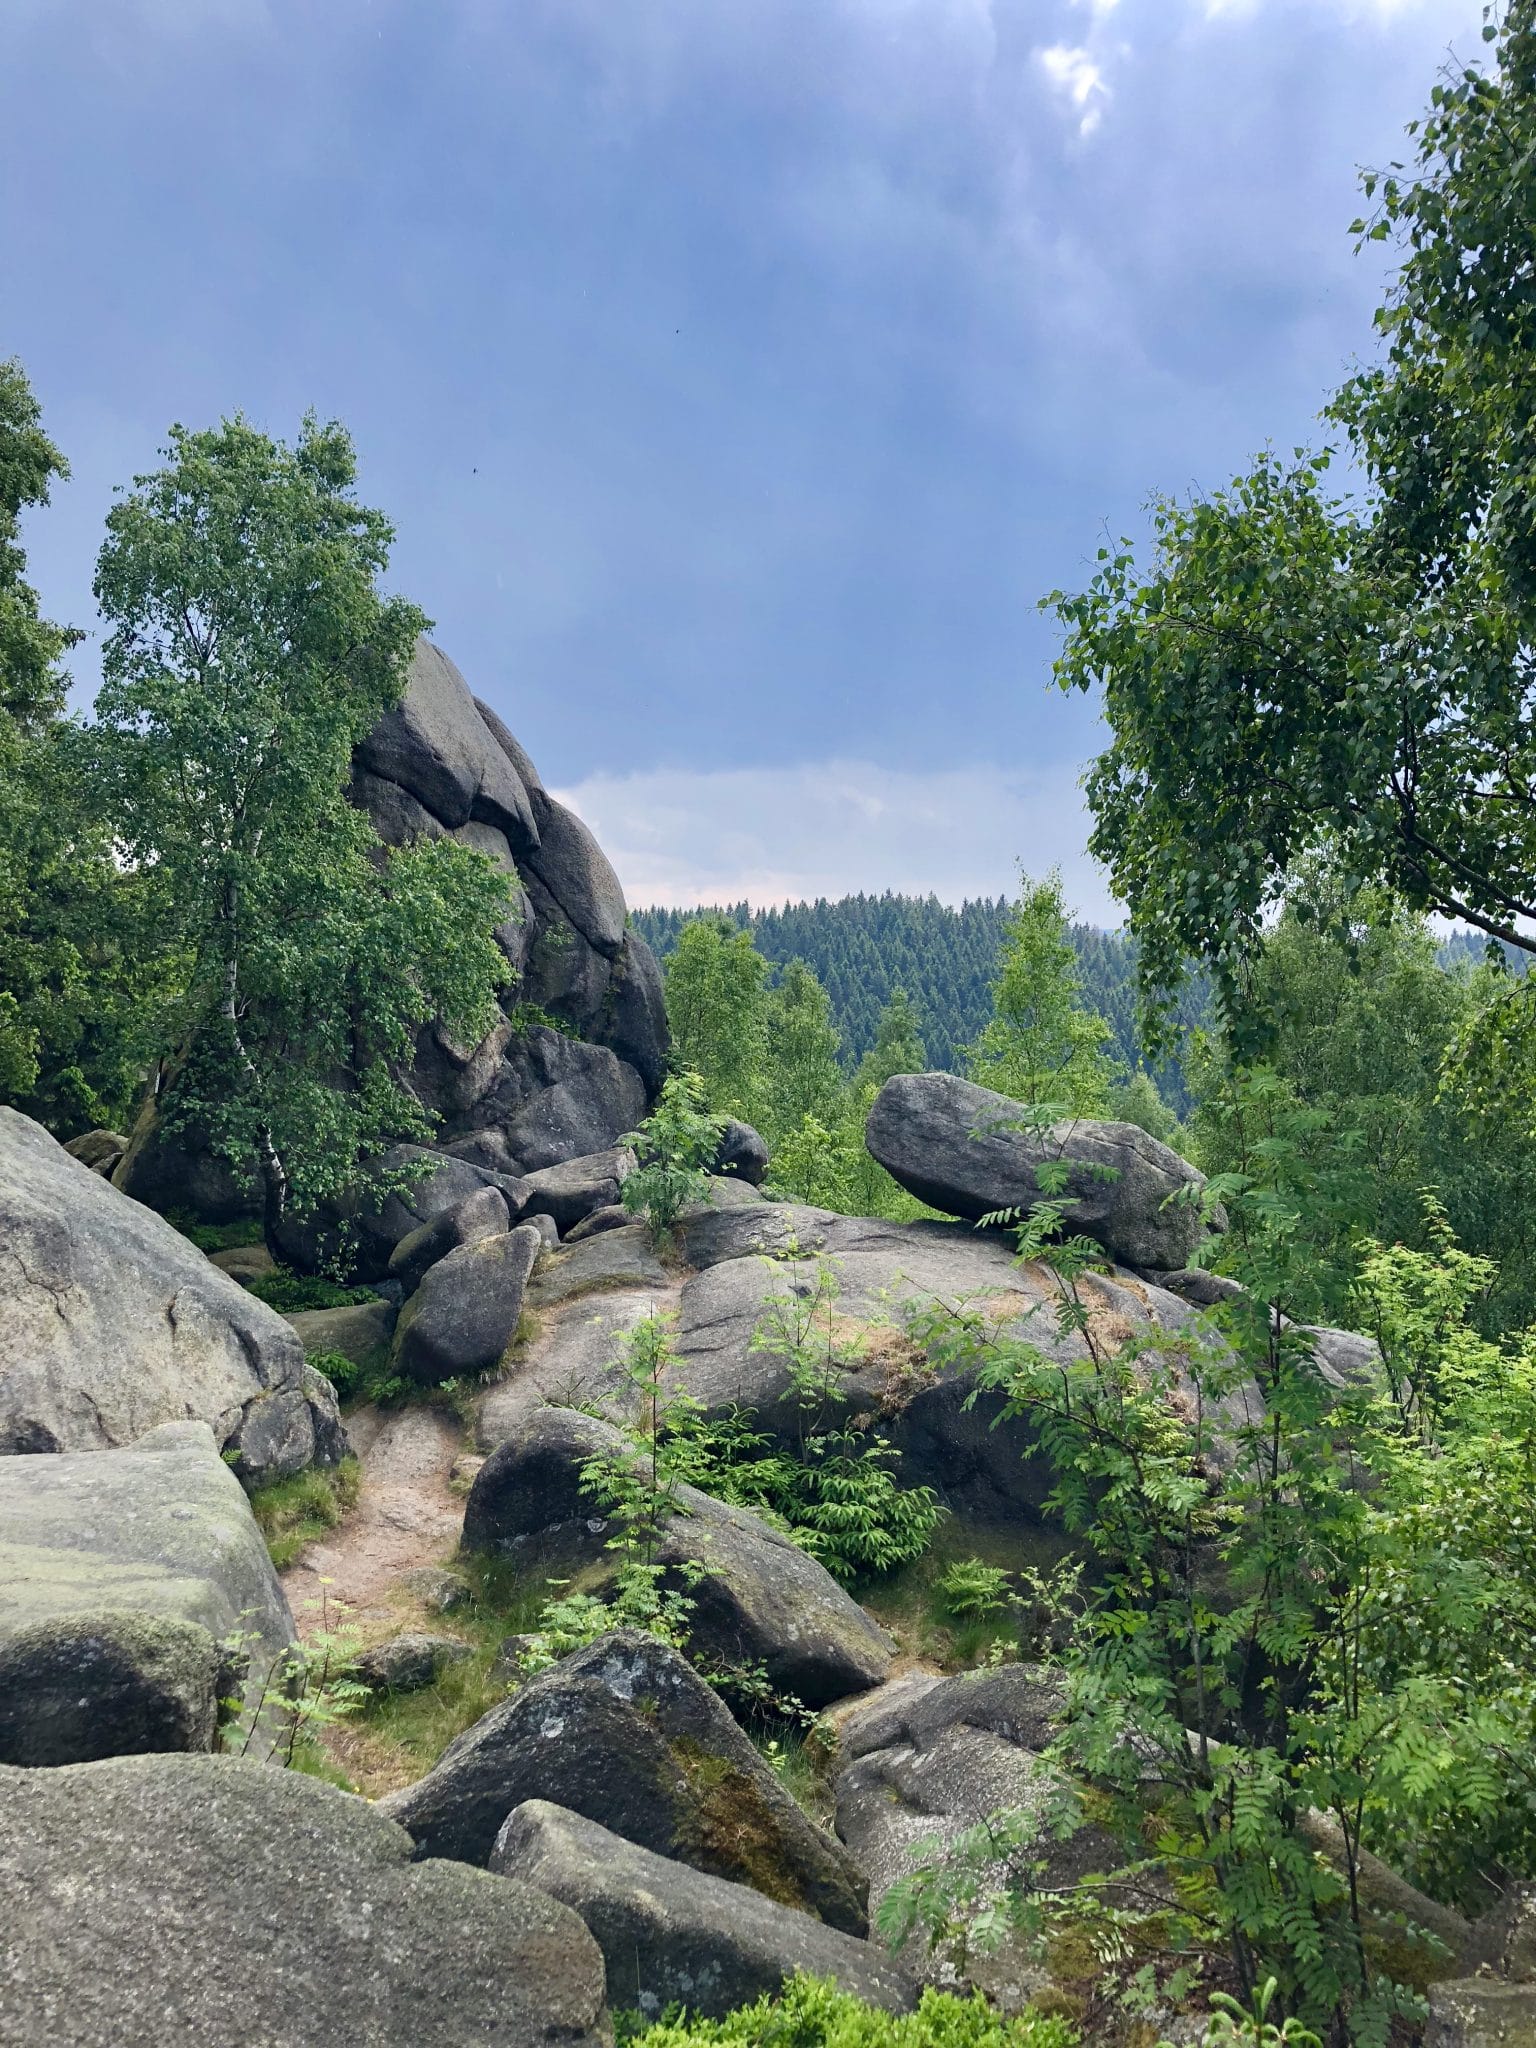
(946, 1141)
(175, 1899)
(615, 1258)
(672, 1936)
(112, 1323)
(573, 1190)
(628, 1734)
(162, 1531)
(758, 1598)
(436, 745)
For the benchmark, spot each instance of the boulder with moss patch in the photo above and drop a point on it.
(628, 1734)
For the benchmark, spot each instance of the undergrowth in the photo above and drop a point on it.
(811, 2012)
(292, 1513)
(293, 1293)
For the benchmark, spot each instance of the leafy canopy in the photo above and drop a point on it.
(1043, 1045)
(249, 650)
(1297, 670)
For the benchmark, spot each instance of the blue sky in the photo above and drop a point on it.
(737, 373)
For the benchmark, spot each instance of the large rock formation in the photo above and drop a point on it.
(112, 1323)
(171, 1899)
(957, 1147)
(123, 1574)
(581, 1047)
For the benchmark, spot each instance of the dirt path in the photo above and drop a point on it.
(407, 1514)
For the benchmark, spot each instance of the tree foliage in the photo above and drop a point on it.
(1043, 1044)
(249, 651)
(1298, 671)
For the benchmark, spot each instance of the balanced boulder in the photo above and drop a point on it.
(112, 1323)
(756, 1597)
(479, 1215)
(574, 1189)
(959, 1148)
(465, 1312)
(628, 1734)
(173, 1899)
(674, 1936)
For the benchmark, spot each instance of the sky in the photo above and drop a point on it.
(738, 374)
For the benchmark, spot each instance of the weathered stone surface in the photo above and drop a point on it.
(99, 1150)
(440, 1589)
(627, 1733)
(245, 1263)
(572, 1190)
(634, 1014)
(436, 745)
(547, 1228)
(946, 1141)
(757, 1597)
(573, 1361)
(111, 1323)
(600, 1102)
(886, 1272)
(465, 1313)
(161, 1530)
(617, 1258)
(409, 1662)
(159, 1900)
(526, 773)
(360, 1332)
(612, 1216)
(743, 1153)
(480, 1215)
(1481, 2012)
(89, 1686)
(178, 1172)
(577, 873)
(674, 1936)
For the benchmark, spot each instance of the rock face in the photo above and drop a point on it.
(98, 1551)
(326, 1931)
(943, 1139)
(885, 1272)
(480, 1215)
(442, 763)
(572, 1191)
(465, 1312)
(626, 1733)
(581, 1047)
(112, 1323)
(672, 1936)
(757, 1598)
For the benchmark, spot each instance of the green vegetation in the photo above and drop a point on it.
(674, 1148)
(293, 1513)
(811, 2012)
(292, 1293)
(1042, 1043)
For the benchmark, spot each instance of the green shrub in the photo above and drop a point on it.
(972, 1590)
(292, 1293)
(812, 2013)
(215, 1237)
(675, 1146)
(368, 1380)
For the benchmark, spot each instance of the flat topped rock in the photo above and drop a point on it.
(615, 1258)
(177, 1899)
(162, 1531)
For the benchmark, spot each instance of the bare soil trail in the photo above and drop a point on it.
(407, 1514)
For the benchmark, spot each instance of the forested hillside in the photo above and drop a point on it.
(863, 947)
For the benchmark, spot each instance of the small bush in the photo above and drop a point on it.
(293, 1513)
(368, 1380)
(812, 2013)
(215, 1237)
(971, 1590)
(291, 1293)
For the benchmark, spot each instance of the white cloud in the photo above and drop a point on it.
(833, 828)
(1079, 79)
